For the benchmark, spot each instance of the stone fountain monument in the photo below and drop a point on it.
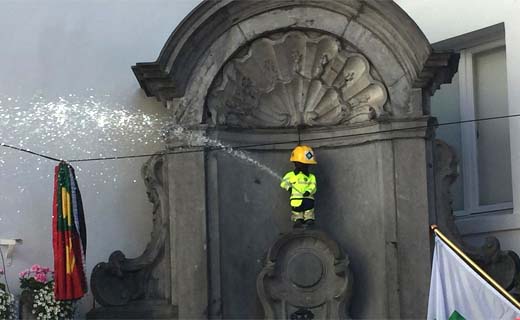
(350, 74)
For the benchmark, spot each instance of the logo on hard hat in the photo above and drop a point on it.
(309, 155)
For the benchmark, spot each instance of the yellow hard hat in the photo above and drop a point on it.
(303, 154)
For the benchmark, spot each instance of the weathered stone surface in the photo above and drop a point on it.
(375, 50)
(305, 273)
(252, 213)
(125, 282)
(373, 177)
(307, 79)
(188, 214)
(503, 266)
(438, 69)
(399, 33)
(352, 210)
(333, 136)
(298, 18)
(136, 310)
(201, 46)
(413, 240)
(356, 206)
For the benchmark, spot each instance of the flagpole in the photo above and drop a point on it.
(478, 269)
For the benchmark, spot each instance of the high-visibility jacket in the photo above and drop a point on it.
(300, 183)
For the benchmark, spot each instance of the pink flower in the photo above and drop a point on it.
(46, 270)
(40, 277)
(36, 268)
(1, 271)
(23, 274)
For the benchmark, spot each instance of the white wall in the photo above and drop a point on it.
(54, 48)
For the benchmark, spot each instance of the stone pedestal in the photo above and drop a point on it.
(306, 276)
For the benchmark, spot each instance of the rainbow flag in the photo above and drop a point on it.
(69, 237)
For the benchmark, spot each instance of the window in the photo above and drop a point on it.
(479, 90)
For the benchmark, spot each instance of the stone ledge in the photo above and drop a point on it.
(285, 139)
(141, 310)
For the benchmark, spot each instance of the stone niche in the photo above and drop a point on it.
(347, 75)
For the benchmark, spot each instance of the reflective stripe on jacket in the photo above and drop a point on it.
(300, 183)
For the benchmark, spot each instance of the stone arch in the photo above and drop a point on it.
(198, 49)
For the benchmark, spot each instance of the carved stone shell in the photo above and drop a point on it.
(292, 79)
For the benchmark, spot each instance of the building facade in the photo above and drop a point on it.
(57, 48)
(487, 189)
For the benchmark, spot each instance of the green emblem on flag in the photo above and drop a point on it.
(456, 316)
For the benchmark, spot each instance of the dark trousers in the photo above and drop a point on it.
(307, 204)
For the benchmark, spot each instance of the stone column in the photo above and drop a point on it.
(187, 181)
(411, 196)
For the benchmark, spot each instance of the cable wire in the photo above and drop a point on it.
(29, 151)
(181, 150)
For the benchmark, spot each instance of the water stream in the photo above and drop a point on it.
(90, 126)
(196, 138)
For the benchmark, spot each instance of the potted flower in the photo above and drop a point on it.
(6, 301)
(37, 298)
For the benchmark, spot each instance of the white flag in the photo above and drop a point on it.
(458, 292)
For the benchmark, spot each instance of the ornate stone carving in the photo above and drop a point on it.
(295, 78)
(123, 280)
(306, 276)
(503, 266)
(182, 112)
(438, 69)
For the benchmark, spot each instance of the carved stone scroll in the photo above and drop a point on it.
(306, 276)
(293, 79)
(121, 281)
(503, 266)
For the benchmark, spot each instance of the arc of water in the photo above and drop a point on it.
(196, 138)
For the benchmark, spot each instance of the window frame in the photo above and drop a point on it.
(469, 152)
(502, 218)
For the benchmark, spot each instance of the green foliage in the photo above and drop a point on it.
(31, 284)
(6, 305)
